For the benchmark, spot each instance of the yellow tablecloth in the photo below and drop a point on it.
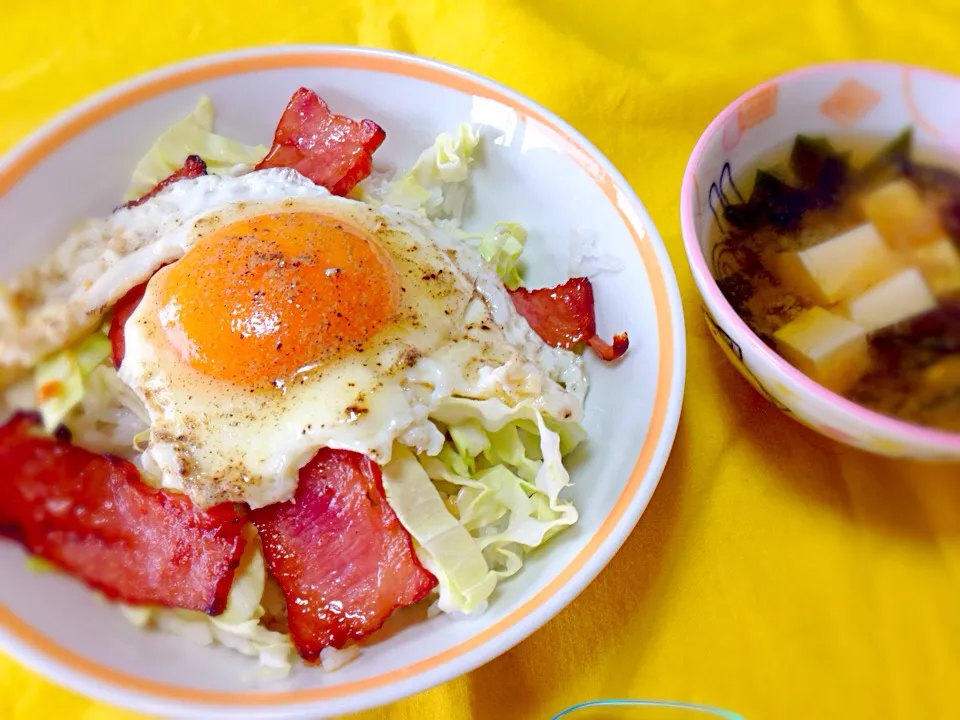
(774, 573)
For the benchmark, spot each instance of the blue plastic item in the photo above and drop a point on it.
(690, 708)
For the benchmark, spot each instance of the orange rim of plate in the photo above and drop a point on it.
(447, 77)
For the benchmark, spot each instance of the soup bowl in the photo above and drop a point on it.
(839, 99)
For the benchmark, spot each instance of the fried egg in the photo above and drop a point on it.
(305, 321)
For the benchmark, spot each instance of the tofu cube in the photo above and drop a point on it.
(826, 347)
(894, 300)
(839, 268)
(901, 216)
(943, 375)
(940, 265)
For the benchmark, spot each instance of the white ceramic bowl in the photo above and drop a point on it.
(838, 99)
(535, 169)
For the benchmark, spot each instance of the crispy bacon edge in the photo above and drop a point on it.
(122, 311)
(193, 167)
(563, 316)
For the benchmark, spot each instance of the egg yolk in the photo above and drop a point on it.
(257, 300)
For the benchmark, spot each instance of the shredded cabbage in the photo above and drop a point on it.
(192, 136)
(40, 565)
(59, 380)
(494, 495)
(249, 581)
(435, 185)
(501, 247)
(443, 545)
(139, 615)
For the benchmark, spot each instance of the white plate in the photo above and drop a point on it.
(534, 169)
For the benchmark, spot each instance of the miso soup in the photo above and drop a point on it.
(843, 255)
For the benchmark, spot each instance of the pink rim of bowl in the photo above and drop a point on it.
(728, 318)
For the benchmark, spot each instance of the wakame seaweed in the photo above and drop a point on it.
(773, 202)
(894, 158)
(822, 172)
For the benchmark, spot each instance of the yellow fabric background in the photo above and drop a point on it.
(774, 573)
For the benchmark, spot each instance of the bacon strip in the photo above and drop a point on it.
(193, 167)
(332, 150)
(342, 559)
(121, 313)
(564, 317)
(92, 516)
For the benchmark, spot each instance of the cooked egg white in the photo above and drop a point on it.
(299, 323)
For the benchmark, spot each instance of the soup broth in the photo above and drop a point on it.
(844, 257)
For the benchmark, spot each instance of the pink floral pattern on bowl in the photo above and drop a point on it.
(863, 97)
(850, 103)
